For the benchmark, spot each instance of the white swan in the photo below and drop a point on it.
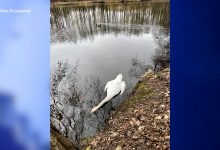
(113, 87)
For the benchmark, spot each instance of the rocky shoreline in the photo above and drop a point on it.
(142, 121)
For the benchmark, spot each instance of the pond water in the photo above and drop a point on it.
(90, 45)
(108, 39)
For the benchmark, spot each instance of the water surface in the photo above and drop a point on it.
(109, 39)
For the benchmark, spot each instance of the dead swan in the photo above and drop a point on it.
(114, 87)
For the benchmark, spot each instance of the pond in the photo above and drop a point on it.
(104, 40)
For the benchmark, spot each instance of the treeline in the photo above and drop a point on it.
(73, 23)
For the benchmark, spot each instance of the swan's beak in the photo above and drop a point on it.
(93, 110)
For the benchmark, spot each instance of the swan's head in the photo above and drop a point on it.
(119, 77)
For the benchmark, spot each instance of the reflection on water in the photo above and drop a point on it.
(70, 24)
(104, 40)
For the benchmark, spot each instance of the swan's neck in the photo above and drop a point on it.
(101, 103)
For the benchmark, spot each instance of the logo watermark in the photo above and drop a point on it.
(15, 11)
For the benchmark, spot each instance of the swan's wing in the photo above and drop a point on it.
(123, 86)
(106, 86)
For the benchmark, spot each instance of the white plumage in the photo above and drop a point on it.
(113, 87)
